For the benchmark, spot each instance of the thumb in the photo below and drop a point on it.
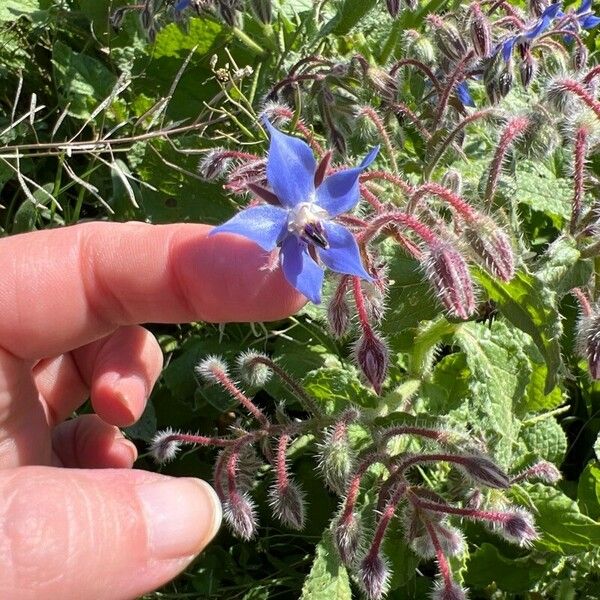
(102, 534)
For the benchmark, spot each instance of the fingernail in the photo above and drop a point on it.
(182, 515)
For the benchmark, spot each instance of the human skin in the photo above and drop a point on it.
(75, 520)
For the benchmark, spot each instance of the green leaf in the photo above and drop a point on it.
(83, 82)
(145, 427)
(347, 16)
(499, 373)
(328, 579)
(563, 527)
(410, 300)
(539, 188)
(588, 491)
(335, 388)
(487, 566)
(527, 303)
(535, 399)
(561, 269)
(11, 10)
(546, 439)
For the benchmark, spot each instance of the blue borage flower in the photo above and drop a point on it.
(583, 17)
(181, 5)
(527, 36)
(303, 227)
(464, 95)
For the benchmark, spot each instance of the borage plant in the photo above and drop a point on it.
(456, 356)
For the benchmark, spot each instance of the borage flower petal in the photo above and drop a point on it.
(291, 168)
(340, 192)
(300, 270)
(265, 225)
(343, 255)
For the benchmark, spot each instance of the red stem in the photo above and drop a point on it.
(578, 178)
(515, 127)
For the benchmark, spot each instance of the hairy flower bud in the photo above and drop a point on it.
(338, 311)
(527, 69)
(210, 367)
(288, 504)
(543, 470)
(262, 10)
(452, 180)
(479, 28)
(484, 472)
(374, 575)
(418, 46)
(393, 7)
(493, 247)
(447, 38)
(580, 57)
(588, 342)
(252, 371)
(214, 164)
(450, 539)
(336, 458)
(239, 513)
(347, 533)
(497, 78)
(518, 527)
(443, 591)
(447, 271)
(165, 446)
(372, 357)
(537, 7)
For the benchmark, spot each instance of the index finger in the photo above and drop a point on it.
(63, 288)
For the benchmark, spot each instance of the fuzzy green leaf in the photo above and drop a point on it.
(531, 306)
(563, 527)
(499, 373)
(328, 579)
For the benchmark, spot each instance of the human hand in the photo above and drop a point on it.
(71, 300)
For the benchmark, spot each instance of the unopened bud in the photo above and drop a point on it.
(164, 446)
(116, 17)
(518, 527)
(393, 7)
(493, 247)
(210, 368)
(374, 295)
(374, 575)
(372, 357)
(338, 311)
(484, 472)
(347, 533)
(252, 371)
(481, 36)
(447, 271)
(214, 164)
(537, 7)
(262, 10)
(451, 591)
(527, 69)
(588, 342)
(452, 180)
(239, 513)
(544, 471)
(497, 78)
(146, 16)
(580, 57)
(418, 46)
(450, 539)
(336, 458)
(288, 504)
(447, 38)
